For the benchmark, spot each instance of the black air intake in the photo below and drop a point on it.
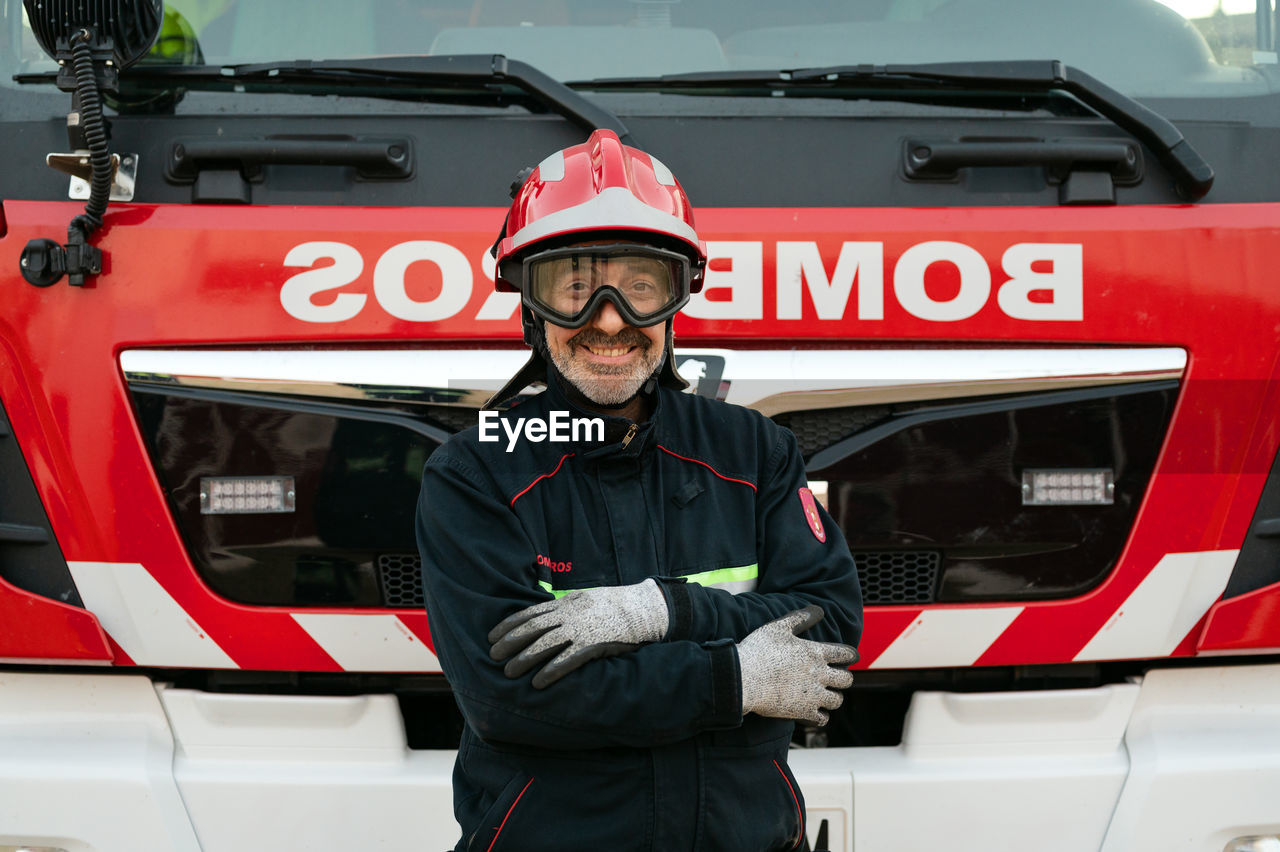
(29, 555)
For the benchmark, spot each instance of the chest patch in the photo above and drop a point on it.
(810, 506)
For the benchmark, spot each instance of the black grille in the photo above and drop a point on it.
(401, 575)
(898, 576)
(817, 430)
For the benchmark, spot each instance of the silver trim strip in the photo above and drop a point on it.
(772, 381)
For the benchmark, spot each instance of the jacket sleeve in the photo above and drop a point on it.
(797, 567)
(478, 568)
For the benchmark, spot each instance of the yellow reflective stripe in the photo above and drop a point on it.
(725, 575)
(558, 593)
(719, 577)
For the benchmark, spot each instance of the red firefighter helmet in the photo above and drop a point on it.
(600, 187)
(598, 191)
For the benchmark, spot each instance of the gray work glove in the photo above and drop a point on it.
(787, 677)
(579, 627)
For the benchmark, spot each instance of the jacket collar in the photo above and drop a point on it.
(616, 429)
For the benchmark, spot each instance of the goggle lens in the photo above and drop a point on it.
(563, 281)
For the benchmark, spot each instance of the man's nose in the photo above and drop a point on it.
(608, 320)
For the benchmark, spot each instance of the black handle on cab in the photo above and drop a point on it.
(382, 158)
(934, 159)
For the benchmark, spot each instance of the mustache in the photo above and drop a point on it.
(595, 337)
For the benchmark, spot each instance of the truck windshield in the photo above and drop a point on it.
(1143, 48)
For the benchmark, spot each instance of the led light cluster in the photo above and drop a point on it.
(243, 495)
(1079, 487)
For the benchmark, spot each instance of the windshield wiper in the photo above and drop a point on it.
(464, 74)
(1193, 174)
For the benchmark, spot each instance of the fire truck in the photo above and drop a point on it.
(1007, 270)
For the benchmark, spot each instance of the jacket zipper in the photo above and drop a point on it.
(631, 433)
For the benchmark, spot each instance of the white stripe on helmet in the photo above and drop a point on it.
(552, 168)
(661, 173)
(615, 208)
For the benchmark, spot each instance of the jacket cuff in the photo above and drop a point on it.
(726, 685)
(679, 608)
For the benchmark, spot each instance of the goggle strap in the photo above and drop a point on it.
(593, 304)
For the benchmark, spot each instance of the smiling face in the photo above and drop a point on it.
(607, 359)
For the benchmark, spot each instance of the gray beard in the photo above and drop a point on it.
(607, 385)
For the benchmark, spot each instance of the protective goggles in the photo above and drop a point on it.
(567, 286)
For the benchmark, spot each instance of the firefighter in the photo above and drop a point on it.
(631, 614)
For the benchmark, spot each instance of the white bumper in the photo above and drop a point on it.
(1188, 760)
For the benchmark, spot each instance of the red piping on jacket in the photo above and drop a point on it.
(540, 478)
(799, 812)
(708, 467)
(517, 801)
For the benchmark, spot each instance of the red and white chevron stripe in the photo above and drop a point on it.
(153, 629)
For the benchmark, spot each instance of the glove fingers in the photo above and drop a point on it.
(837, 678)
(833, 652)
(511, 622)
(536, 653)
(523, 636)
(817, 717)
(573, 659)
(521, 664)
(799, 620)
(830, 699)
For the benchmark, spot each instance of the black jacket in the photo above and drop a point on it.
(647, 750)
